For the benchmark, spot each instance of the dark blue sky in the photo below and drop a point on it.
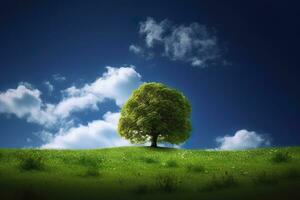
(259, 91)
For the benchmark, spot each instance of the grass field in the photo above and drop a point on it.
(146, 173)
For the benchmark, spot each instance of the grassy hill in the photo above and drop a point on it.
(146, 173)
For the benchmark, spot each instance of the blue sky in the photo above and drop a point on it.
(66, 68)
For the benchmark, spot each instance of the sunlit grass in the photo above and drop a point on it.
(140, 171)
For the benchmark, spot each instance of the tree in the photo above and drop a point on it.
(155, 113)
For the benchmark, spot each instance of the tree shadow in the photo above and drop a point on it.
(162, 149)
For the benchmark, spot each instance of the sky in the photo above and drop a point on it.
(67, 67)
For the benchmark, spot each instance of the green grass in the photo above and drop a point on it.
(281, 157)
(147, 173)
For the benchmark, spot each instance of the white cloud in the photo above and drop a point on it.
(193, 44)
(196, 62)
(58, 77)
(135, 49)
(152, 30)
(26, 84)
(180, 42)
(26, 103)
(242, 139)
(49, 86)
(22, 98)
(98, 133)
(76, 103)
(116, 84)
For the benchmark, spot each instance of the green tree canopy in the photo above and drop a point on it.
(155, 112)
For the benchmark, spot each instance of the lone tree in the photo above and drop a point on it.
(154, 113)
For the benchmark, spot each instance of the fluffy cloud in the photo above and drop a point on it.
(116, 84)
(25, 102)
(98, 133)
(193, 44)
(242, 139)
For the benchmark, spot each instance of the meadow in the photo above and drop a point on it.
(150, 173)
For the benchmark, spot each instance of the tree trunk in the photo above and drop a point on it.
(154, 141)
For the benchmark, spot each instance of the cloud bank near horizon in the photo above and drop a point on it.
(97, 133)
(242, 139)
